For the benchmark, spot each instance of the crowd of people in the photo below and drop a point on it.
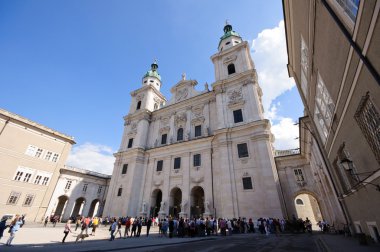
(126, 227)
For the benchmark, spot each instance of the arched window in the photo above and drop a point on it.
(138, 105)
(299, 202)
(180, 134)
(155, 106)
(231, 69)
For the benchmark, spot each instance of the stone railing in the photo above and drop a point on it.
(280, 153)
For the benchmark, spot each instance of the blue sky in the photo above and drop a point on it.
(71, 65)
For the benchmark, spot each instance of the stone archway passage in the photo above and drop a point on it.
(59, 210)
(78, 207)
(197, 202)
(307, 207)
(93, 211)
(156, 199)
(175, 202)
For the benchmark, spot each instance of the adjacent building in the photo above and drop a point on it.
(78, 192)
(31, 156)
(201, 153)
(334, 58)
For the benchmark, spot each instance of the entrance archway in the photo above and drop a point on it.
(62, 200)
(175, 202)
(155, 202)
(78, 207)
(93, 211)
(197, 199)
(307, 207)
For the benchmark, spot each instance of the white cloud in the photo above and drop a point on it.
(286, 134)
(94, 157)
(270, 57)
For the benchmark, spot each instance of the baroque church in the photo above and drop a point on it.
(201, 153)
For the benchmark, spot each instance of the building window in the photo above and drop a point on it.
(38, 153)
(247, 183)
(177, 163)
(130, 143)
(31, 150)
(13, 198)
(28, 200)
(138, 105)
(350, 7)
(48, 155)
(324, 109)
(37, 180)
(164, 138)
(242, 150)
(231, 69)
(368, 118)
(27, 177)
(155, 106)
(119, 191)
(304, 67)
(299, 202)
(198, 130)
(84, 187)
(238, 116)
(197, 160)
(100, 189)
(68, 184)
(125, 168)
(180, 134)
(18, 175)
(55, 157)
(45, 181)
(299, 175)
(160, 164)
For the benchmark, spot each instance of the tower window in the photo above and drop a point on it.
(125, 168)
(164, 137)
(238, 116)
(242, 150)
(198, 131)
(299, 202)
(119, 191)
(247, 183)
(138, 105)
(177, 163)
(151, 81)
(160, 164)
(180, 134)
(231, 69)
(130, 143)
(197, 160)
(228, 43)
(155, 106)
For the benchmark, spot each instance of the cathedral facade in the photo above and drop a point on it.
(201, 153)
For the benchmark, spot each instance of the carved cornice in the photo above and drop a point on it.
(165, 129)
(198, 120)
(181, 119)
(236, 104)
(263, 136)
(229, 59)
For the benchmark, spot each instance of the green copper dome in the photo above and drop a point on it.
(153, 71)
(228, 32)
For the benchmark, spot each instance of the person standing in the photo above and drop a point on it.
(67, 230)
(113, 229)
(139, 226)
(77, 223)
(15, 226)
(148, 224)
(127, 226)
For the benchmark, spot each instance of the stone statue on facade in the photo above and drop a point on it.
(143, 209)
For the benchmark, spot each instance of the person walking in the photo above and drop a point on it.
(118, 231)
(113, 229)
(3, 226)
(127, 227)
(67, 230)
(95, 222)
(77, 223)
(46, 221)
(15, 226)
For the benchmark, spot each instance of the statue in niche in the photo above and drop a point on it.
(162, 206)
(183, 205)
(207, 206)
(143, 208)
(187, 135)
